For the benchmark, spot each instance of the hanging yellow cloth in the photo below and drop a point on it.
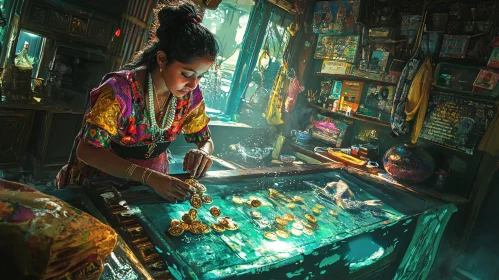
(273, 113)
(417, 99)
(490, 141)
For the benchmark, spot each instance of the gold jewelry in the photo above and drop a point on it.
(148, 175)
(129, 171)
(144, 176)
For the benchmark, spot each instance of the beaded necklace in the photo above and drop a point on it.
(170, 112)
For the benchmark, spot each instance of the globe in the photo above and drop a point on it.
(408, 163)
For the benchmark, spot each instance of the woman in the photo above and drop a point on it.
(137, 112)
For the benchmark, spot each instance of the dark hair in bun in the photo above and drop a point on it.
(177, 32)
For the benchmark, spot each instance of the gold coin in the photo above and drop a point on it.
(270, 235)
(278, 226)
(310, 218)
(265, 204)
(214, 211)
(281, 234)
(308, 231)
(307, 225)
(218, 227)
(196, 223)
(256, 214)
(207, 199)
(187, 219)
(281, 221)
(237, 200)
(297, 198)
(287, 199)
(288, 217)
(205, 228)
(297, 226)
(314, 226)
(200, 188)
(319, 206)
(233, 226)
(196, 201)
(334, 213)
(196, 230)
(196, 227)
(193, 213)
(191, 181)
(176, 230)
(296, 232)
(224, 222)
(273, 192)
(316, 210)
(256, 203)
(185, 226)
(175, 223)
(290, 205)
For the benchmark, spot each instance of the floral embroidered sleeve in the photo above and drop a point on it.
(102, 120)
(195, 127)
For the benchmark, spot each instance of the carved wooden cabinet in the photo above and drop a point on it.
(14, 133)
(52, 139)
(57, 19)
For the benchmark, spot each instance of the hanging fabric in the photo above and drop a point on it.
(273, 113)
(398, 119)
(294, 89)
(417, 99)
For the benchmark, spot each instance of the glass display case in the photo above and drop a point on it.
(311, 222)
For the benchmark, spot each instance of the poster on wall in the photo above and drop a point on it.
(350, 95)
(456, 122)
(343, 48)
(335, 17)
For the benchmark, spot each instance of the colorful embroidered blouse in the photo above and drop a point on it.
(118, 114)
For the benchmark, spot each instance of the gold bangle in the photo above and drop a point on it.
(149, 175)
(142, 180)
(129, 171)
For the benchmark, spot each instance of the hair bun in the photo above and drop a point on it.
(177, 14)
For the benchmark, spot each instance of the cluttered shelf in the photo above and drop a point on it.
(352, 78)
(356, 117)
(383, 177)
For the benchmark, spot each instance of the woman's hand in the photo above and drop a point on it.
(197, 163)
(169, 187)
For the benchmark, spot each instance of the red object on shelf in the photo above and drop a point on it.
(117, 33)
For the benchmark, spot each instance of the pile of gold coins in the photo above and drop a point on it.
(288, 224)
(252, 202)
(189, 222)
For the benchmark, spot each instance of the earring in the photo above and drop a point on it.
(161, 70)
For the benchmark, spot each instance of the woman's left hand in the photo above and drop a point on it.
(197, 163)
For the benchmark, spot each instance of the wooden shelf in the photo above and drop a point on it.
(355, 117)
(352, 78)
(470, 61)
(53, 108)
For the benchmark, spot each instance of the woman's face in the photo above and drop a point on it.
(182, 78)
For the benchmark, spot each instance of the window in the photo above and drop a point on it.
(271, 54)
(228, 22)
(268, 58)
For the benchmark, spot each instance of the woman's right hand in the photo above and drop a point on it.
(169, 187)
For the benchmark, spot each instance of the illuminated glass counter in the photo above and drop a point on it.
(359, 239)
